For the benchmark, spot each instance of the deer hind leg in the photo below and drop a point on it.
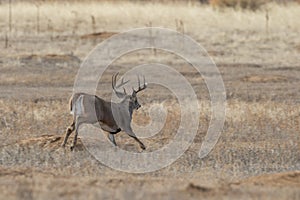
(70, 129)
(77, 124)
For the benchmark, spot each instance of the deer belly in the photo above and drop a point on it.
(108, 128)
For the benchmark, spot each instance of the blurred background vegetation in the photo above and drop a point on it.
(243, 4)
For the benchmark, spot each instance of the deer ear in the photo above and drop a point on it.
(133, 92)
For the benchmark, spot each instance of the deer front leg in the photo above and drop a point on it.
(77, 124)
(132, 134)
(141, 144)
(69, 130)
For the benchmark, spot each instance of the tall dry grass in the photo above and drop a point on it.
(258, 137)
(81, 17)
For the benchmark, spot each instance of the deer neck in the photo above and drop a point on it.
(129, 105)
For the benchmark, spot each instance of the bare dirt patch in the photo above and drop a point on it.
(291, 179)
(265, 78)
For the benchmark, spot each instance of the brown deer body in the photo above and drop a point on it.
(112, 117)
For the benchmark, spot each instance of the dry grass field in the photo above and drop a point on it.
(257, 155)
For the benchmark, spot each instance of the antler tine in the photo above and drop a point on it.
(140, 88)
(139, 82)
(145, 84)
(113, 80)
(122, 83)
(115, 87)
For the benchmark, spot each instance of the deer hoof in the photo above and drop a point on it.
(143, 147)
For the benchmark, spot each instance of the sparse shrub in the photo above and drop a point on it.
(244, 4)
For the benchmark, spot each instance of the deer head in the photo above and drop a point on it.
(133, 101)
(133, 96)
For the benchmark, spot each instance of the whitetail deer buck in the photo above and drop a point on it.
(112, 117)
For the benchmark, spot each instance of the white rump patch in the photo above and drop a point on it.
(79, 109)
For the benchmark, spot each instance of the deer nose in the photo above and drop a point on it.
(138, 106)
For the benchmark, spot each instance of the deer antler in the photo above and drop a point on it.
(140, 88)
(115, 87)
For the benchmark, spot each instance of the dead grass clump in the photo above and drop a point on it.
(101, 35)
(244, 4)
(264, 78)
